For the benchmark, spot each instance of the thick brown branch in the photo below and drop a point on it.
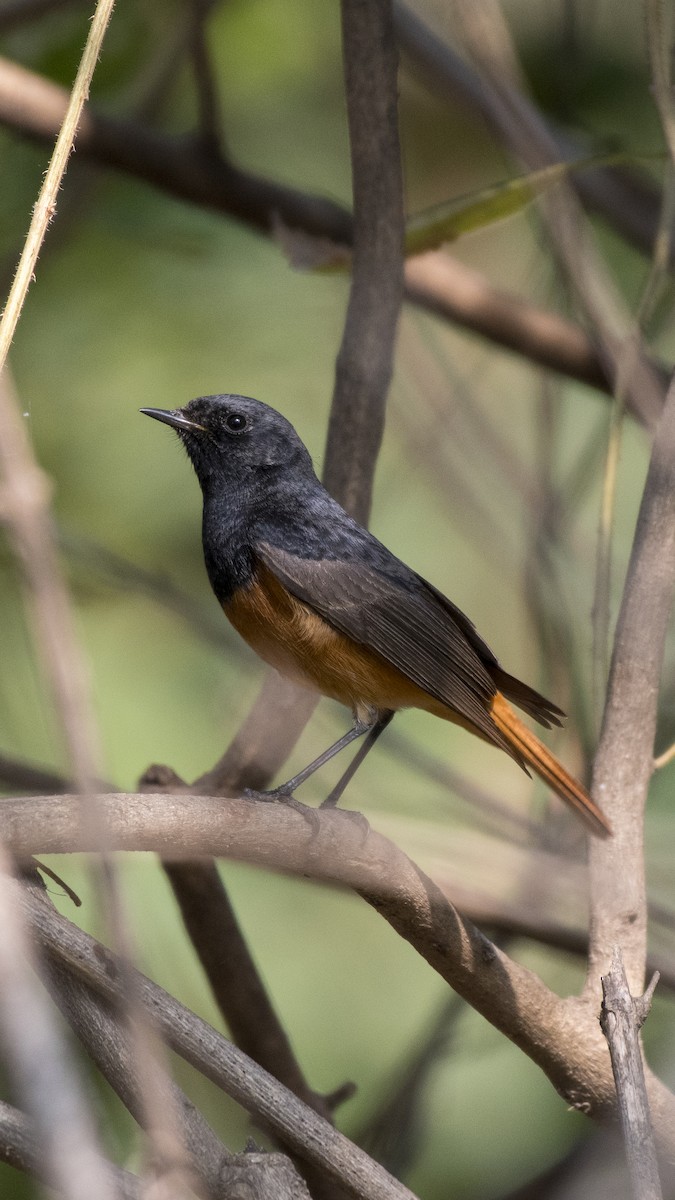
(562, 1036)
(624, 761)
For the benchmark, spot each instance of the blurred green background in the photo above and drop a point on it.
(141, 300)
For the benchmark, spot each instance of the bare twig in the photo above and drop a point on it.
(621, 1019)
(45, 206)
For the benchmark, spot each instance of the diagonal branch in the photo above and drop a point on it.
(180, 166)
(291, 1121)
(203, 1160)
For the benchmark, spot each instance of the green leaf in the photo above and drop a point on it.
(446, 222)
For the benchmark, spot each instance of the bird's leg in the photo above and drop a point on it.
(284, 793)
(373, 734)
(357, 730)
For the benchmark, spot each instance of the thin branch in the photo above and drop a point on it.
(526, 135)
(365, 359)
(45, 207)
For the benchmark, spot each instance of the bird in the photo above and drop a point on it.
(321, 600)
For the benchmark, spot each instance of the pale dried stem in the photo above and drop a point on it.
(25, 509)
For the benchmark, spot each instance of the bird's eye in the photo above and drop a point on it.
(236, 423)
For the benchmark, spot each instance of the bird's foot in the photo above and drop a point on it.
(281, 796)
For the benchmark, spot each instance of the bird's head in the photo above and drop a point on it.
(234, 439)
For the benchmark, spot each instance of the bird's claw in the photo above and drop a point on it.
(280, 796)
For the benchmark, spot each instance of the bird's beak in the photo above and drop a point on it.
(175, 418)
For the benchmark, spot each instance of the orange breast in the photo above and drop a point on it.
(289, 635)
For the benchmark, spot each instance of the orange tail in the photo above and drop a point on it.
(528, 749)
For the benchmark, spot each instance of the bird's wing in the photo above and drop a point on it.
(402, 620)
(521, 694)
